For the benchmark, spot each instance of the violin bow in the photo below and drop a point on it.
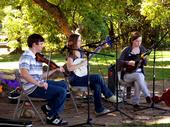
(48, 67)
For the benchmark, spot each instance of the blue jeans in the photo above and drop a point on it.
(98, 86)
(55, 95)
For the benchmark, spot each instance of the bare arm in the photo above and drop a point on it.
(25, 74)
(71, 66)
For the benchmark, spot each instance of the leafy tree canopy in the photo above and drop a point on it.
(57, 19)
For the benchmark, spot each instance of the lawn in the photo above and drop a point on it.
(100, 63)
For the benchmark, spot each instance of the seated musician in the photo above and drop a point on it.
(36, 86)
(132, 64)
(97, 84)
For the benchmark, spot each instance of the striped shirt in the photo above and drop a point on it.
(28, 61)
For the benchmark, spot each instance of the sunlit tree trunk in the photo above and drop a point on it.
(57, 14)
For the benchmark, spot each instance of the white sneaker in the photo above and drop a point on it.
(113, 99)
(103, 112)
(56, 121)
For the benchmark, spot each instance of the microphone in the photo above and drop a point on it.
(90, 45)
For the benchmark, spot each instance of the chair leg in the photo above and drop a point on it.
(128, 92)
(72, 97)
(34, 108)
(73, 100)
(17, 107)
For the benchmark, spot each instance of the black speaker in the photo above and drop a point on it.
(112, 81)
(111, 78)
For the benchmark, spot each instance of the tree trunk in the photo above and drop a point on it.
(57, 14)
(18, 50)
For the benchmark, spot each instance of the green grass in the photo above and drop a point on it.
(9, 58)
(101, 63)
(162, 65)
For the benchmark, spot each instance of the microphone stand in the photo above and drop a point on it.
(88, 121)
(116, 87)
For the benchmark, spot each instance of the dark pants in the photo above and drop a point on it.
(98, 86)
(55, 95)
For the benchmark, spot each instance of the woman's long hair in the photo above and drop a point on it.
(72, 43)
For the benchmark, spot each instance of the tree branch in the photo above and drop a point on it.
(57, 15)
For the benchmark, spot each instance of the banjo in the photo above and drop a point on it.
(82, 71)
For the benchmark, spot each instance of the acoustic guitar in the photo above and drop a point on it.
(138, 62)
(82, 71)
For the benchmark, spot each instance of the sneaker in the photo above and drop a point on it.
(113, 99)
(148, 100)
(13, 96)
(102, 112)
(45, 108)
(56, 121)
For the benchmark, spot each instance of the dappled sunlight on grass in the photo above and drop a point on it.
(9, 58)
(164, 119)
(163, 73)
(158, 66)
(161, 59)
(100, 64)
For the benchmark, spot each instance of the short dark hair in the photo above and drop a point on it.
(34, 38)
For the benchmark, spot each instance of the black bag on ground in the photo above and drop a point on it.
(112, 78)
(14, 123)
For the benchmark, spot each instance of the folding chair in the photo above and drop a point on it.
(75, 89)
(71, 93)
(24, 97)
(127, 87)
(80, 93)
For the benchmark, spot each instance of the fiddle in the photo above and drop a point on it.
(42, 58)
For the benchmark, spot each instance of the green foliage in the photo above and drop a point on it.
(157, 11)
(14, 25)
(20, 18)
(23, 18)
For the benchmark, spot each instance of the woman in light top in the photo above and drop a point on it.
(96, 82)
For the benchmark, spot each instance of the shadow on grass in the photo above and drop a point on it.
(101, 65)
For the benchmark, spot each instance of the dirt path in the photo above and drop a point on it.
(150, 115)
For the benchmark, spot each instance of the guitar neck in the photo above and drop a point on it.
(95, 51)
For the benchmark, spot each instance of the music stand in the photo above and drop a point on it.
(88, 121)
